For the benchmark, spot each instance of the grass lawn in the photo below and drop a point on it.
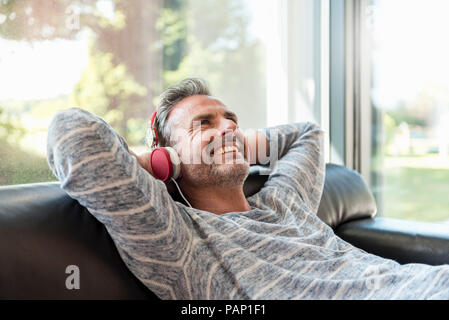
(20, 167)
(416, 193)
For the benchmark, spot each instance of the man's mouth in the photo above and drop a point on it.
(223, 149)
(227, 149)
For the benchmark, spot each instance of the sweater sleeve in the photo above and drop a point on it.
(94, 166)
(297, 160)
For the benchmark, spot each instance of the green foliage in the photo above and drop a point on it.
(20, 167)
(31, 19)
(45, 109)
(224, 55)
(136, 131)
(133, 41)
(117, 82)
(11, 129)
(106, 88)
(172, 25)
(137, 48)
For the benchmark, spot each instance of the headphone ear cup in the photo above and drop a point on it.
(160, 162)
(165, 163)
(176, 162)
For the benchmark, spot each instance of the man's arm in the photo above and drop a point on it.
(297, 160)
(95, 167)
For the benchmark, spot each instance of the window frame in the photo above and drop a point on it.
(298, 80)
(350, 85)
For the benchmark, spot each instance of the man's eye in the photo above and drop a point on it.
(204, 122)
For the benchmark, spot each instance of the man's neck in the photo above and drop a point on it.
(218, 200)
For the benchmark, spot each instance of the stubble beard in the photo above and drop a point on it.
(223, 175)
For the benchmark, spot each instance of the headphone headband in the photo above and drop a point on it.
(155, 141)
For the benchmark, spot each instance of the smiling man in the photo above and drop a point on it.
(271, 245)
(206, 136)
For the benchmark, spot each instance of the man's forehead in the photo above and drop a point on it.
(187, 109)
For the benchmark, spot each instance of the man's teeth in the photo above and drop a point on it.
(227, 149)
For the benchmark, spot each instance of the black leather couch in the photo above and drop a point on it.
(43, 230)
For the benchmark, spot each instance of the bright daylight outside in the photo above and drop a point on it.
(114, 58)
(410, 95)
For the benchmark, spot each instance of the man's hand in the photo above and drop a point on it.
(144, 162)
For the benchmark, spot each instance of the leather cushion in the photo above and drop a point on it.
(42, 231)
(346, 197)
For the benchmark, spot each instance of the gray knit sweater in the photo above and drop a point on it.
(279, 249)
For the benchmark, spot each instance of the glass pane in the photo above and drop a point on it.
(410, 96)
(114, 58)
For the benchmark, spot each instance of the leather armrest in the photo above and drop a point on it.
(400, 240)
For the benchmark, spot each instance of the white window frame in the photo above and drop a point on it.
(351, 111)
(297, 64)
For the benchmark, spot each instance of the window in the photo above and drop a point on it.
(389, 102)
(410, 108)
(265, 59)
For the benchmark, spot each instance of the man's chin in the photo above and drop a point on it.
(224, 174)
(231, 166)
(230, 173)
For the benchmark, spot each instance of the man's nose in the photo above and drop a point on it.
(227, 127)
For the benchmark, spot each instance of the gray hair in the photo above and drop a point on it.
(169, 98)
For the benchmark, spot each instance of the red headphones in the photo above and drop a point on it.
(164, 161)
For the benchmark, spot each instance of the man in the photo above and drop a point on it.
(267, 246)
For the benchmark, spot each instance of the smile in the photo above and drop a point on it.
(227, 149)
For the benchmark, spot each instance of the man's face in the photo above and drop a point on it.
(206, 135)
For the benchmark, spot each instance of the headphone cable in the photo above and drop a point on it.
(180, 192)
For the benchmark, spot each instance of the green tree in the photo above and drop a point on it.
(11, 130)
(105, 89)
(218, 48)
(139, 47)
(123, 37)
